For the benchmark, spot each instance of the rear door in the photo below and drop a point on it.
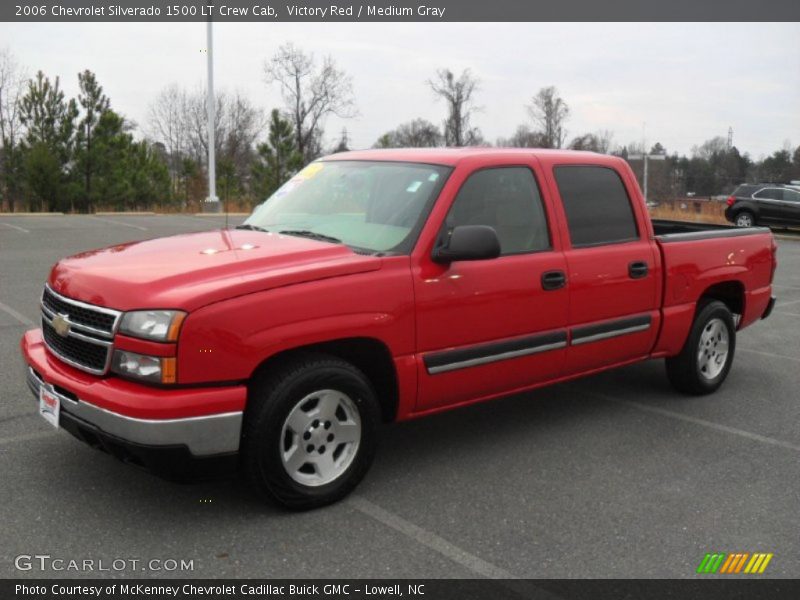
(791, 206)
(486, 327)
(612, 269)
(770, 204)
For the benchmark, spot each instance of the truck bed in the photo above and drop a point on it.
(699, 259)
(681, 231)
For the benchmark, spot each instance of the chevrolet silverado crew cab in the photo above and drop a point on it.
(380, 286)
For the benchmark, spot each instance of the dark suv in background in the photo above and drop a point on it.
(765, 204)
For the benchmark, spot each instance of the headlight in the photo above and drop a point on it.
(156, 369)
(158, 325)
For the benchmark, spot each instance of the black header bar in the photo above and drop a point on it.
(242, 11)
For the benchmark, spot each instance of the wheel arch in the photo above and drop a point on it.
(731, 293)
(370, 355)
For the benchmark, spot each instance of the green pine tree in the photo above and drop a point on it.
(94, 103)
(278, 158)
(49, 142)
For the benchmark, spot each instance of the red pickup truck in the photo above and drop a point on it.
(382, 285)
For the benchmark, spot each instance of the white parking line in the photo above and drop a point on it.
(429, 540)
(770, 354)
(702, 422)
(139, 227)
(25, 437)
(782, 304)
(18, 316)
(23, 230)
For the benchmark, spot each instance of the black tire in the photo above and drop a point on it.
(684, 370)
(746, 214)
(272, 397)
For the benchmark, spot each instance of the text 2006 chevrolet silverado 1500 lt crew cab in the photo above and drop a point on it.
(382, 285)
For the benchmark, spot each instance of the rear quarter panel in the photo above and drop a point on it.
(691, 267)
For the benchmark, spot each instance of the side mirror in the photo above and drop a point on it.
(469, 242)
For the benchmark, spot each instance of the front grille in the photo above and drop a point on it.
(80, 353)
(88, 342)
(79, 314)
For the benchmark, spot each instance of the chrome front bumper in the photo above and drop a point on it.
(202, 436)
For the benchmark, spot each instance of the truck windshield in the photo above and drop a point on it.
(371, 206)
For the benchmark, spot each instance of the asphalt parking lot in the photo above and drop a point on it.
(615, 475)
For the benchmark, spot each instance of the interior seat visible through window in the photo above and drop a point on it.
(506, 199)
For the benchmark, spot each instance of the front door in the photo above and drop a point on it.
(490, 326)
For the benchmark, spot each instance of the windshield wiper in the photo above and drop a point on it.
(252, 227)
(311, 235)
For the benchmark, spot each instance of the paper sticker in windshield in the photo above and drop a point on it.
(414, 186)
(310, 171)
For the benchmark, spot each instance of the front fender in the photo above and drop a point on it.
(228, 340)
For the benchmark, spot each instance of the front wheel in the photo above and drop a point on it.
(707, 355)
(310, 431)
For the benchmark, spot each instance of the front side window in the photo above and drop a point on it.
(374, 207)
(596, 204)
(506, 199)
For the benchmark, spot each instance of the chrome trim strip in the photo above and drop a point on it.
(75, 330)
(102, 309)
(495, 357)
(34, 382)
(85, 338)
(77, 365)
(203, 436)
(73, 325)
(609, 334)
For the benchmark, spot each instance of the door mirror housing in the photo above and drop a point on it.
(469, 242)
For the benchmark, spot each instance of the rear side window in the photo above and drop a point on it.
(770, 194)
(791, 195)
(597, 206)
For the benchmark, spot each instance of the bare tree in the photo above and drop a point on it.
(523, 137)
(178, 120)
(588, 141)
(708, 149)
(237, 125)
(166, 124)
(418, 133)
(12, 88)
(550, 112)
(605, 139)
(311, 93)
(457, 93)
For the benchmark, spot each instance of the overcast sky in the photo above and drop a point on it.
(687, 82)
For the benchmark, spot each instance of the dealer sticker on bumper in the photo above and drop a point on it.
(49, 406)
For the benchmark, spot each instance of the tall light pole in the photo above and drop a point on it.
(212, 202)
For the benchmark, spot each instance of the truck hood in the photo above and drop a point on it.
(192, 270)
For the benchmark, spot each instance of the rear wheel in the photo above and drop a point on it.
(706, 358)
(745, 219)
(309, 432)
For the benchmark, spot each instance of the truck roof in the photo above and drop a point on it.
(452, 156)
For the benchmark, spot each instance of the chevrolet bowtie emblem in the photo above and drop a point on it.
(61, 325)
